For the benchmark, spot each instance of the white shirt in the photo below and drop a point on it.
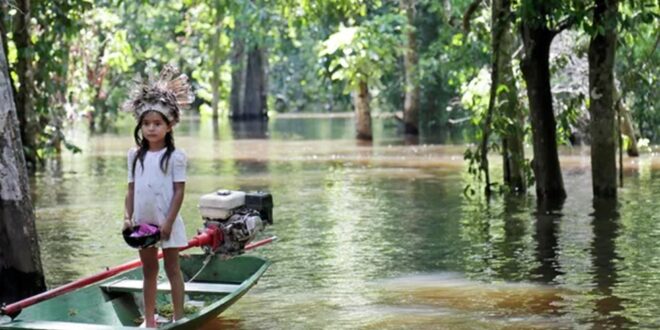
(154, 189)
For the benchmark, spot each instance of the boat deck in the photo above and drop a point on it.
(130, 285)
(116, 302)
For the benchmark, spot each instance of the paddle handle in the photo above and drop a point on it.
(12, 310)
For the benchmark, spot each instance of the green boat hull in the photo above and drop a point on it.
(112, 304)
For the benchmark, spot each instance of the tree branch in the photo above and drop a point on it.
(565, 24)
(657, 39)
(467, 16)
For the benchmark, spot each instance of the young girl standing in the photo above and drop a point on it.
(156, 181)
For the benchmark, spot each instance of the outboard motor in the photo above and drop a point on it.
(239, 216)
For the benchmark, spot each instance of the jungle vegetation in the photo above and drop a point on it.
(517, 71)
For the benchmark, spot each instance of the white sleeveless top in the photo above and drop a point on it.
(153, 191)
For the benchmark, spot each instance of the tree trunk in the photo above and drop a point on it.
(507, 104)
(237, 60)
(216, 62)
(627, 127)
(5, 46)
(24, 95)
(536, 71)
(96, 77)
(601, 106)
(255, 85)
(21, 274)
(362, 112)
(411, 103)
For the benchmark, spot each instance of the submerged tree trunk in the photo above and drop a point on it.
(627, 127)
(21, 274)
(536, 71)
(96, 77)
(25, 73)
(411, 100)
(362, 112)
(601, 93)
(255, 85)
(237, 60)
(513, 153)
(216, 61)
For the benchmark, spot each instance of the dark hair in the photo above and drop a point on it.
(143, 144)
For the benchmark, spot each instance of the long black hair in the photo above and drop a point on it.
(143, 144)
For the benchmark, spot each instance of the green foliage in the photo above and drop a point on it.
(364, 53)
(86, 53)
(449, 58)
(568, 117)
(55, 24)
(329, 12)
(637, 65)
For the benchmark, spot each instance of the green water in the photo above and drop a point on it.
(380, 236)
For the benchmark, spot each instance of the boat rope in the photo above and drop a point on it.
(204, 264)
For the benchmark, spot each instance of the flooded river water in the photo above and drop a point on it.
(380, 236)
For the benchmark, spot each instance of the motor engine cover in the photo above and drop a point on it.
(219, 205)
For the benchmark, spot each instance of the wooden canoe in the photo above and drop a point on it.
(114, 302)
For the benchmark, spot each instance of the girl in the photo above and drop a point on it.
(156, 181)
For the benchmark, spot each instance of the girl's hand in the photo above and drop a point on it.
(127, 224)
(165, 232)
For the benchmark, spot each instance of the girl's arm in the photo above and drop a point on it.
(175, 206)
(128, 205)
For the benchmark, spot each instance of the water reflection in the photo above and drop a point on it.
(606, 226)
(249, 129)
(449, 298)
(548, 216)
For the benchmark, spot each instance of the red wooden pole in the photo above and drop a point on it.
(205, 238)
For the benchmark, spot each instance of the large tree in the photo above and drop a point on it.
(504, 114)
(218, 54)
(256, 85)
(601, 94)
(21, 274)
(25, 73)
(237, 61)
(410, 63)
(512, 119)
(249, 60)
(360, 56)
(537, 35)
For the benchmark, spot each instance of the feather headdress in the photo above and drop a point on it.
(168, 94)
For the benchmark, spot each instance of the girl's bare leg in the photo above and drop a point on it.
(176, 280)
(149, 258)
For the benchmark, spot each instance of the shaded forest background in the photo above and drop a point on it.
(435, 64)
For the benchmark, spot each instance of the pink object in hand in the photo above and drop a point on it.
(144, 229)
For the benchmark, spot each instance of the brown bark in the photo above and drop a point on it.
(25, 73)
(536, 71)
(21, 274)
(255, 85)
(217, 62)
(601, 92)
(96, 77)
(411, 99)
(237, 59)
(513, 152)
(627, 127)
(362, 112)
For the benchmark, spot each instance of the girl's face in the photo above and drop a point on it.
(154, 128)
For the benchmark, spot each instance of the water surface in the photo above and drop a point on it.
(380, 236)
